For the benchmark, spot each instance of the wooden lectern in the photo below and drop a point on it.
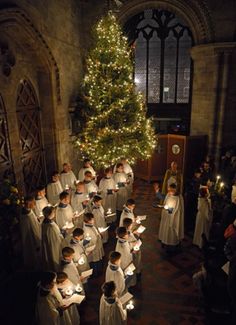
(187, 151)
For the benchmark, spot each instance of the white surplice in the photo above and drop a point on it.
(98, 252)
(233, 193)
(73, 274)
(90, 187)
(51, 246)
(116, 274)
(40, 204)
(126, 213)
(67, 179)
(77, 200)
(123, 247)
(122, 194)
(99, 221)
(112, 313)
(109, 197)
(64, 214)
(171, 230)
(203, 221)
(31, 238)
(83, 170)
(53, 191)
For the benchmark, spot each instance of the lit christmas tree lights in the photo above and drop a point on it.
(116, 124)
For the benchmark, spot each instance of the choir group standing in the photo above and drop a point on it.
(63, 231)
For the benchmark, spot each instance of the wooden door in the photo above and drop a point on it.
(28, 115)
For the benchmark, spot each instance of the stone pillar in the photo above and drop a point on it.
(210, 90)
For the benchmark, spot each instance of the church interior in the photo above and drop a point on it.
(172, 217)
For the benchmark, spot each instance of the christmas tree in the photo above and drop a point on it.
(116, 125)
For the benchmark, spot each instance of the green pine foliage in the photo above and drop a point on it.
(116, 124)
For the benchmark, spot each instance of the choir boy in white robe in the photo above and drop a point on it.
(78, 243)
(204, 217)
(40, 202)
(30, 234)
(68, 266)
(79, 201)
(68, 178)
(92, 234)
(107, 187)
(115, 273)
(111, 311)
(123, 247)
(51, 240)
(54, 189)
(63, 284)
(86, 167)
(171, 230)
(133, 239)
(130, 174)
(64, 211)
(99, 217)
(49, 304)
(91, 187)
(128, 211)
(121, 181)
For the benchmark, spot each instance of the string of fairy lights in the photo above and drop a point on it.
(117, 125)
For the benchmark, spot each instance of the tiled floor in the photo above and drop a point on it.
(165, 295)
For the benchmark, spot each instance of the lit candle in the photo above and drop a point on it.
(69, 291)
(130, 305)
(78, 288)
(41, 214)
(109, 211)
(81, 261)
(67, 187)
(117, 187)
(217, 181)
(166, 207)
(129, 271)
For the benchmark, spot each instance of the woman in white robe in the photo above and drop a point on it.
(111, 311)
(204, 218)
(51, 241)
(121, 180)
(54, 189)
(31, 235)
(107, 187)
(171, 230)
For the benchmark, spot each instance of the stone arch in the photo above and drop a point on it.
(18, 26)
(194, 13)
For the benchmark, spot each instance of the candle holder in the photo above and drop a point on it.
(81, 261)
(78, 288)
(130, 305)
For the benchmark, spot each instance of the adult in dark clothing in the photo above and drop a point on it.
(207, 173)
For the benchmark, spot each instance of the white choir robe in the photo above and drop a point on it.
(47, 310)
(233, 193)
(123, 247)
(73, 274)
(40, 204)
(96, 239)
(77, 200)
(112, 313)
(109, 198)
(63, 215)
(126, 213)
(31, 239)
(115, 273)
(90, 187)
(137, 256)
(122, 194)
(83, 170)
(54, 189)
(171, 230)
(72, 310)
(130, 176)
(203, 221)
(67, 179)
(51, 246)
(99, 221)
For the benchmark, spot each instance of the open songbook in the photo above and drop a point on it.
(110, 215)
(142, 218)
(79, 214)
(129, 270)
(74, 299)
(126, 298)
(137, 245)
(140, 229)
(101, 229)
(86, 274)
(90, 248)
(68, 225)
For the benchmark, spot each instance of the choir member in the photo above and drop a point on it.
(92, 234)
(173, 176)
(115, 273)
(128, 211)
(40, 201)
(51, 240)
(68, 178)
(68, 266)
(91, 187)
(171, 230)
(121, 180)
(30, 234)
(99, 217)
(111, 311)
(86, 167)
(64, 211)
(204, 217)
(123, 247)
(54, 189)
(79, 201)
(107, 187)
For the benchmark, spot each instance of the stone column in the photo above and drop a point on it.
(210, 89)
